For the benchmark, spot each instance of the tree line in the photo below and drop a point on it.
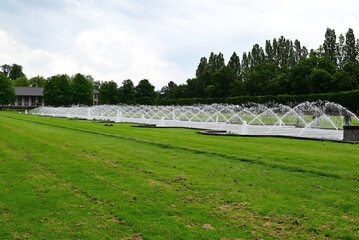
(281, 67)
(63, 90)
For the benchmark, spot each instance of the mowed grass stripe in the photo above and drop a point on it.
(159, 191)
(45, 204)
(332, 164)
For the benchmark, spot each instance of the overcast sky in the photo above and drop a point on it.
(158, 40)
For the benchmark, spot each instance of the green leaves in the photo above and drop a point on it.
(7, 94)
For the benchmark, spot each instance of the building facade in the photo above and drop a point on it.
(95, 93)
(29, 96)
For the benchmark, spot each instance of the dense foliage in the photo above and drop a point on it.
(7, 94)
(282, 67)
(143, 93)
(57, 91)
(81, 90)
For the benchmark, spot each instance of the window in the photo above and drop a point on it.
(19, 100)
(26, 101)
(33, 101)
(40, 101)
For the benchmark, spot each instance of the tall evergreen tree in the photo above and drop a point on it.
(202, 66)
(257, 55)
(234, 63)
(340, 52)
(297, 51)
(275, 51)
(215, 62)
(330, 45)
(244, 66)
(350, 47)
(220, 63)
(269, 52)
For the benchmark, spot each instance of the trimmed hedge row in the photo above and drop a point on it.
(348, 99)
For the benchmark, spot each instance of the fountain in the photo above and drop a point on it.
(320, 120)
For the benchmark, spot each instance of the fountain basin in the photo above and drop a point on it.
(351, 133)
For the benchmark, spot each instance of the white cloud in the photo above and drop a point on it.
(159, 40)
(34, 61)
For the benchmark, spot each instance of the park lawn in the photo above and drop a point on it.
(77, 179)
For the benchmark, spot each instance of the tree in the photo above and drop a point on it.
(330, 45)
(7, 94)
(244, 66)
(202, 67)
(280, 84)
(108, 93)
(234, 63)
(57, 91)
(257, 55)
(37, 81)
(350, 47)
(342, 81)
(340, 52)
(16, 72)
(259, 78)
(319, 81)
(127, 92)
(21, 82)
(82, 90)
(297, 52)
(166, 90)
(300, 73)
(215, 62)
(180, 91)
(222, 81)
(269, 52)
(145, 93)
(5, 69)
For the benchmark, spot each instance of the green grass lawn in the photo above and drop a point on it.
(62, 179)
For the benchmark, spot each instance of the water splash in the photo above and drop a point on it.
(307, 119)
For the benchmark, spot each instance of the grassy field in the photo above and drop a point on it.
(62, 179)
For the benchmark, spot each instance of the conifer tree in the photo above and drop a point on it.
(330, 45)
(350, 47)
(234, 63)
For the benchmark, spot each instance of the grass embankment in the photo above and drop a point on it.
(62, 179)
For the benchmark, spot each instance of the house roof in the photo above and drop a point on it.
(35, 91)
(29, 91)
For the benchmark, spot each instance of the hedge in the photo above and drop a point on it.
(348, 99)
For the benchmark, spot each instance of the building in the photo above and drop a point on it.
(95, 93)
(27, 97)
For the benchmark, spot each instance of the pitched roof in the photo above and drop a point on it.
(35, 91)
(28, 91)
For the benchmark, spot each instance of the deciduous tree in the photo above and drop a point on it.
(7, 94)
(82, 90)
(57, 91)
